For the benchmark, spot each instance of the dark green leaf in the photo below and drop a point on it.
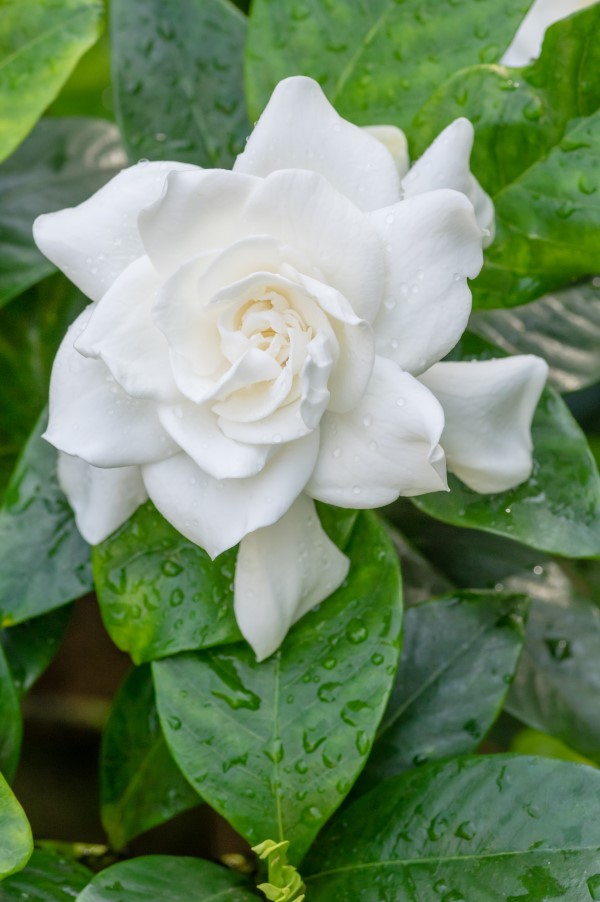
(377, 61)
(140, 784)
(11, 724)
(60, 165)
(159, 593)
(458, 660)
(177, 67)
(169, 879)
(276, 746)
(499, 828)
(40, 43)
(537, 133)
(420, 579)
(88, 90)
(44, 562)
(30, 646)
(563, 328)
(48, 877)
(558, 508)
(337, 522)
(16, 842)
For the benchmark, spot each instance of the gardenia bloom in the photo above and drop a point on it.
(261, 338)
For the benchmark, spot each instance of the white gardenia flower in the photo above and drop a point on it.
(527, 42)
(261, 338)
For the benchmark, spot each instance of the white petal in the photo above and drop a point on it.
(94, 242)
(527, 42)
(299, 129)
(101, 499)
(217, 514)
(122, 333)
(93, 418)
(388, 446)
(488, 407)
(446, 164)
(433, 243)
(282, 572)
(395, 140)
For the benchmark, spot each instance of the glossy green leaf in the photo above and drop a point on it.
(40, 43)
(177, 69)
(563, 328)
(276, 746)
(421, 581)
(16, 841)
(458, 661)
(499, 828)
(61, 163)
(537, 134)
(11, 724)
(44, 562)
(159, 593)
(532, 742)
(169, 879)
(378, 62)
(558, 508)
(88, 90)
(31, 646)
(48, 877)
(140, 784)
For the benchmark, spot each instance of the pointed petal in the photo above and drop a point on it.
(94, 242)
(299, 129)
(102, 499)
(488, 407)
(282, 572)
(388, 446)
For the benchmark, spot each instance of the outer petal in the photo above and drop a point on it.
(433, 243)
(101, 499)
(216, 515)
(299, 129)
(94, 242)
(445, 164)
(91, 416)
(488, 407)
(387, 447)
(394, 139)
(527, 42)
(282, 572)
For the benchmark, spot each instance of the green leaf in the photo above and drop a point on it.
(276, 746)
(499, 828)
(88, 90)
(532, 742)
(169, 879)
(44, 562)
(421, 581)
(31, 646)
(459, 658)
(177, 69)
(16, 841)
(378, 62)
(11, 723)
(537, 133)
(558, 508)
(140, 784)
(48, 877)
(40, 43)
(563, 328)
(159, 593)
(61, 163)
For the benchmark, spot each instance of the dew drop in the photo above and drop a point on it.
(174, 722)
(593, 885)
(337, 452)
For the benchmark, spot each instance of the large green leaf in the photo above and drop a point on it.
(140, 784)
(40, 43)
(16, 841)
(563, 328)
(177, 68)
(11, 724)
(499, 828)
(48, 877)
(537, 134)
(61, 164)
(276, 746)
(159, 593)
(169, 879)
(377, 60)
(30, 646)
(44, 562)
(458, 661)
(558, 508)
